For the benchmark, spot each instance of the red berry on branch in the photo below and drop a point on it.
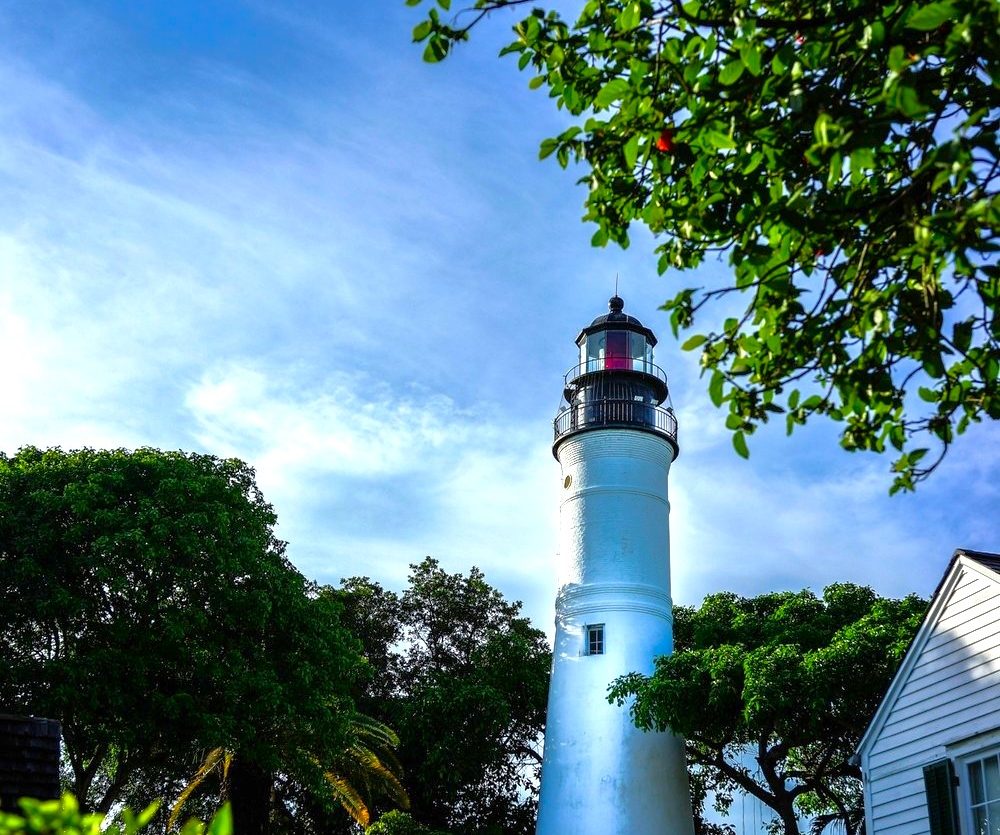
(665, 143)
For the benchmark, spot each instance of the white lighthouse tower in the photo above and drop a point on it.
(615, 442)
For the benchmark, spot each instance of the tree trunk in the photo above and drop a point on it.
(248, 789)
(789, 821)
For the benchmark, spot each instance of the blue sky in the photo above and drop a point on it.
(269, 230)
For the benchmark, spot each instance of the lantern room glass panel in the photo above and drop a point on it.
(617, 354)
(595, 351)
(641, 353)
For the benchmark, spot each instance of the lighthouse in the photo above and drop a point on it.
(615, 442)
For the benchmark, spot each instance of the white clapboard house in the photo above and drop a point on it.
(931, 755)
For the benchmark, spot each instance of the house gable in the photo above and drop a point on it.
(947, 690)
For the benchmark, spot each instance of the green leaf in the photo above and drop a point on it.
(694, 342)
(836, 170)
(755, 161)
(146, 815)
(812, 402)
(821, 129)
(931, 16)
(717, 139)
(536, 82)
(630, 16)
(874, 35)
(600, 237)
(436, 50)
(782, 60)
(715, 387)
(611, 92)
(421, 31)
(631, 151)
(750, 55)
(731, 72)
(862, 159)
(934, 366)
(222, 823)
(908, 101)
(897, 58)
(444, 4)
(962, 335)
(740, 445)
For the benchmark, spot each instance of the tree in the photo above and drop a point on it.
(842, 155)
(785, 683)
(463, 678)
(149, 607)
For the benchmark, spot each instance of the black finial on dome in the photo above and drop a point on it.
(615, 304)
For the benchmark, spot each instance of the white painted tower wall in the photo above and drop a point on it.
(601, 775)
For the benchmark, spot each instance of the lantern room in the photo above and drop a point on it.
(616, 342)
(615, 381)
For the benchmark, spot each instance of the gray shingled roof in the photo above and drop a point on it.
(991, 561)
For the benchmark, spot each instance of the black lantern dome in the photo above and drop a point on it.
(615, 383)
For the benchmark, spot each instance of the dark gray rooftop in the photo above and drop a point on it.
(991, 561)
(616, 319)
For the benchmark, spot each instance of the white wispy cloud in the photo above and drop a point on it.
(351, 451)
(347, 425)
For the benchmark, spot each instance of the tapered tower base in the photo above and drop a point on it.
(601, 775)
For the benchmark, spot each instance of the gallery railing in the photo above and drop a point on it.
(611, 412)
(596, 366)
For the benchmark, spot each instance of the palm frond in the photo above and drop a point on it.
(347, 796)
(211, 760)
(375, 770)
(372, 729)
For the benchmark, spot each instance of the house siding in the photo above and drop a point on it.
(951, 692)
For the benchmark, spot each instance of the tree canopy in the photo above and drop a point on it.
(149, 607)
(773, 694)
(842, 156)
(463, 678)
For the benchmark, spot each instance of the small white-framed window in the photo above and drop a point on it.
(595, 639)
(972, 787)
(983, 776)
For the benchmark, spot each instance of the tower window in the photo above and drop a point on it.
(595, 639)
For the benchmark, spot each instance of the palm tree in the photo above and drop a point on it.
(367, 767)
(369, 762)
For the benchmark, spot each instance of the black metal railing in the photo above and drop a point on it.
(606, 364)
(611, 412)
